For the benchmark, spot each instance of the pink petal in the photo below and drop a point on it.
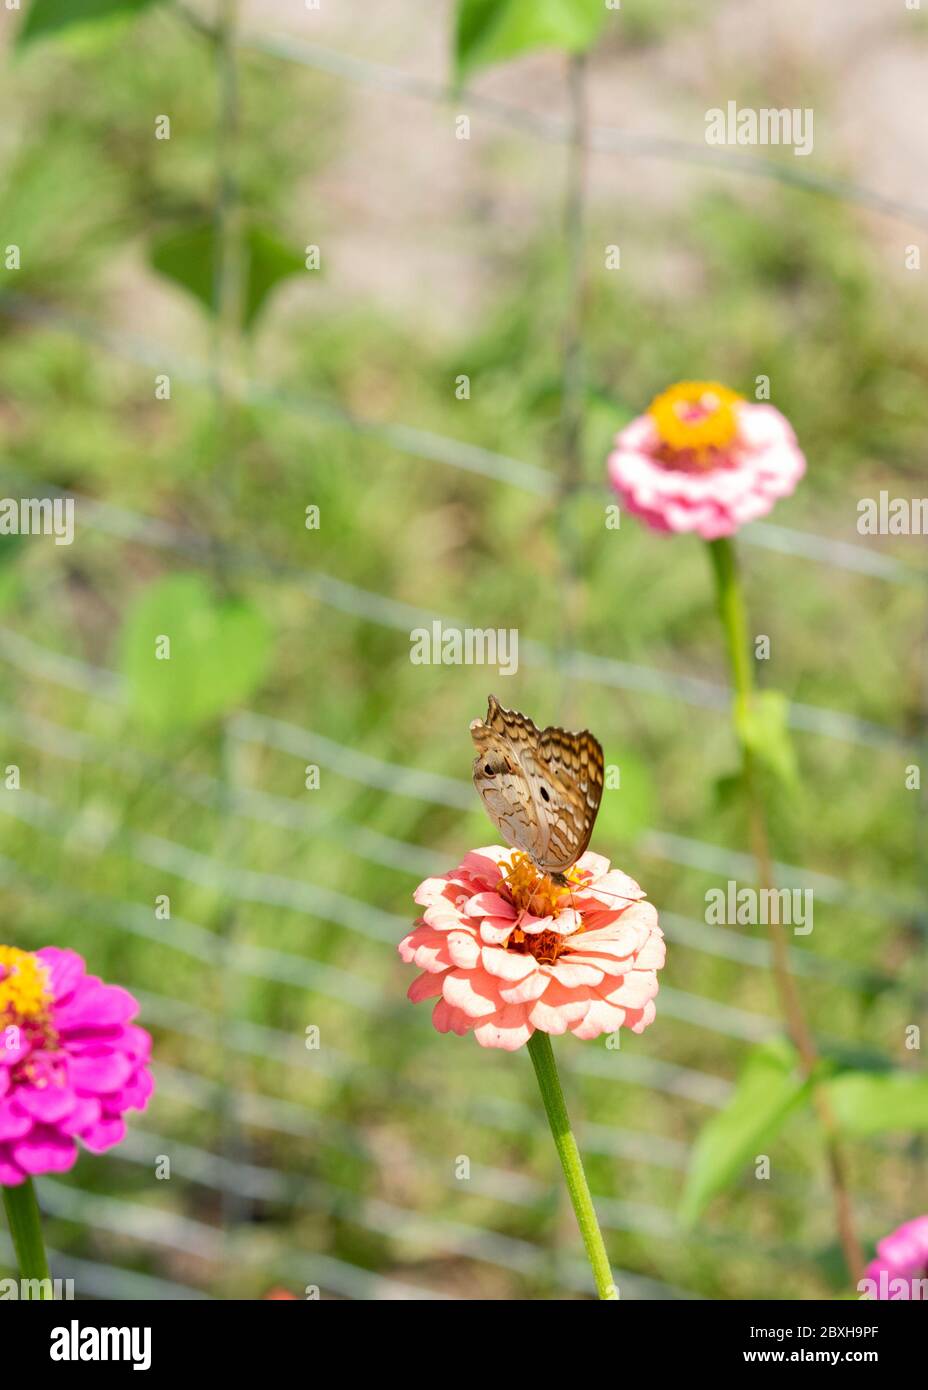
(136, 1094)
(449, 1020)
(634, 990)
(595, 865)
(463, 949)
(475, 995)
(11, 1175)
(136, 1043)
(533, 926)
(605, 964)
(14, 1121)
(48, 1103)
(427, 948)
(490, 905)
(87, 1111)
(95, 1005)
(615, 883)
(640, 1023)
(104, 1135)
(559, 1008)
(507, 965)
(429, 890)
(495, 930)
(100, 1074)
(44, 1151)
(571, 975)
(66, 970)
(599, 1018)
(508, 1029)
(443, 916)
(527, 990)
(424, 986)
(652, 954)
(484, 864)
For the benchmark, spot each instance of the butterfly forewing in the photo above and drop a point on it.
(541, 788)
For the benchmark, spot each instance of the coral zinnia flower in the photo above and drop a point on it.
(506, 950)
(70, 1062)
(900, 1270)
(703, 459)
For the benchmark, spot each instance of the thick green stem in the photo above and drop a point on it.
(734, 622)
(22, 1212)
(542, 1055)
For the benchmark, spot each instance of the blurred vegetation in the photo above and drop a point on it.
(734, 282)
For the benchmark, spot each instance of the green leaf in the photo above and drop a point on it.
(11, 546)
(268, 262)
(728, 790)
(769, 1089)
(873, 1102)
(219, 652)
(189, 257)
(763, 728)
(45, 18)
(491, 31)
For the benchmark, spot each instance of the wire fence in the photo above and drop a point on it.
(203, 1248)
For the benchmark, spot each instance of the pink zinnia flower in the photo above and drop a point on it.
(703, 459)
(70, 1062)
(900, 1270)
(505, 950)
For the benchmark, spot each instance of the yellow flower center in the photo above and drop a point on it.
(696, 417)
(25, 991)
(534, 892)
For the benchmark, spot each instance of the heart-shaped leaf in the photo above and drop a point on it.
(189, 257)
(189, 657)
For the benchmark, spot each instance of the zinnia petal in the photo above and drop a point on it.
(508, 1029)
(471, 991)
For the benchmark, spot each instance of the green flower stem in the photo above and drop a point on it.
(22, 1212)
(734, 623)
(542, 1055)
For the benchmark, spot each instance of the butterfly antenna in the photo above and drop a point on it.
(616, 897)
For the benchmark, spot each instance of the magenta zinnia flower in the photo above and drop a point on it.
(70, 1062)
(703, 459)
(505, 950)
(900, 1270)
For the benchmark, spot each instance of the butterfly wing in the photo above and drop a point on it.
(541, 788)
(570, 771)
(504, 786)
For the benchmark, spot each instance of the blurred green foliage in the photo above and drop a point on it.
(491, 31)
(50, 18)
(729, 282)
